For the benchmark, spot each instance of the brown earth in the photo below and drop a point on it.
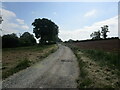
(110, 45)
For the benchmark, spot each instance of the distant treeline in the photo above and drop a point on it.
(70, 40)
(12, 40)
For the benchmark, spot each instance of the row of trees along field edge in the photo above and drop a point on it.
(44, 29)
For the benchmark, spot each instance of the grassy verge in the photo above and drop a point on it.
(112, 60)
(20, 66)
(83, 79)
(16, 59)
(98, 69)
(109, 64)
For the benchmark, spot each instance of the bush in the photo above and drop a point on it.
(10, 41)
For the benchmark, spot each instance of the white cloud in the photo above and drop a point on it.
(90, 13)
(84, 33)
(25, 27)
(33, 12)
(7, 14)
(20, 21)
(12, 24)
(54, 13)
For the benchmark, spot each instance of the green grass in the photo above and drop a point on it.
(105, 58)
(21, 65)
(83, 81)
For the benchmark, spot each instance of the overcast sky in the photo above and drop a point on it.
(76, 20)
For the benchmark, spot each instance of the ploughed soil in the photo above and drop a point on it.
(110, 45)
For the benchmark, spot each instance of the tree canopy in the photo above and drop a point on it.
(1, 19)
(27, 39)
(45, 30)
(104, 31)
(10, 40)
(95, 35)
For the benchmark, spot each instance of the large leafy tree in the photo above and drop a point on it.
(45, 30)
(27, 39)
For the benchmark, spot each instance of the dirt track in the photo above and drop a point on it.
(58, 70)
